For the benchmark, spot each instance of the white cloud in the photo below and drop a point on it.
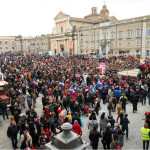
(35, 17)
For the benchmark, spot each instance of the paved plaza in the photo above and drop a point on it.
(135, 125)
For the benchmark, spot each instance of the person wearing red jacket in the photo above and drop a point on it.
(47, 112)
(77, 128)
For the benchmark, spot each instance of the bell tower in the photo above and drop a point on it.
(104, 12)
(94, 10)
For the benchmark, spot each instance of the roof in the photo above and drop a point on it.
(80, 19)
(61, 15)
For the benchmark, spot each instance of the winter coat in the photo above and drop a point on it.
(121, 137)
(12, 131)
(21, 99)
(103, 123)
(114, 144)
(77, 129)
(125, 122)
(119, 108)
(29, 101)
(94, 136)
(92, 123)
(28, 136)
(107, 137)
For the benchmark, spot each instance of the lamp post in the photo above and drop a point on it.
(104, 42)
(73, 35)
(21, 47)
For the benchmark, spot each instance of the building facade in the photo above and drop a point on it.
(101, 34)
(40, 44)
(7, 44)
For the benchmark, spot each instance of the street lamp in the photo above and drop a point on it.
(73, 39)
(73, 35)
(104, 42)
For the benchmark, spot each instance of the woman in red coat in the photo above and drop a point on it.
(47, 112)
(76, 128)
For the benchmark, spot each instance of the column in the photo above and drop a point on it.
(143, 52)
(100, 51)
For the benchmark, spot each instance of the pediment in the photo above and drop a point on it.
(60, 15)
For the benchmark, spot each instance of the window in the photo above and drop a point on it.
(86, 51)
(81, 45)
(137, 42)
(1, 48)
(112, 35)
(86, 38)
(92, 45)
(81, 38)
(119, 43)
(129, 34)
(0, 42)
(6, 47)
(13, 48)
(97, 45)
(120, 34)
(112, 44)
(138, 33)
(148, 42)
(148, 32)
(105, 36)
(6, 42)
(98, 37)
(128, 52)
(62, 29)
(137, 52)
(147, 52)
(128, 43)
(81, 51)
(112, 52)
(86, 45)
(92, 37)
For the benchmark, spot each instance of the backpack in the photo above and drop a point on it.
(117, 146)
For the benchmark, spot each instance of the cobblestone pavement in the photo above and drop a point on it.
(135, 125)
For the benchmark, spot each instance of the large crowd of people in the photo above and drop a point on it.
(70, 87)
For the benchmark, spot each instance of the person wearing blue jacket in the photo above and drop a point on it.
(125, 123)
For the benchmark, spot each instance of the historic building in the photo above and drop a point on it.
(101, 34)
(40, 44)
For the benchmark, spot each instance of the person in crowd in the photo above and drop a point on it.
(25, 140)
(76, 128)
(115, 143)
(145, 136)
(103, 122)
(107, 138)
(3, 108)
(94, 137)
(125, 125)
(123, 100)
(12, 132)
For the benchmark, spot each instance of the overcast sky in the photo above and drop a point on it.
(36, 17)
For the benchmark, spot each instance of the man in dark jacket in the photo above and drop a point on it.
(12, 134)
(125, 123)
(35, 133)
(3, 107)
(94, 137)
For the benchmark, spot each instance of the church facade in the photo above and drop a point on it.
(101, 34)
